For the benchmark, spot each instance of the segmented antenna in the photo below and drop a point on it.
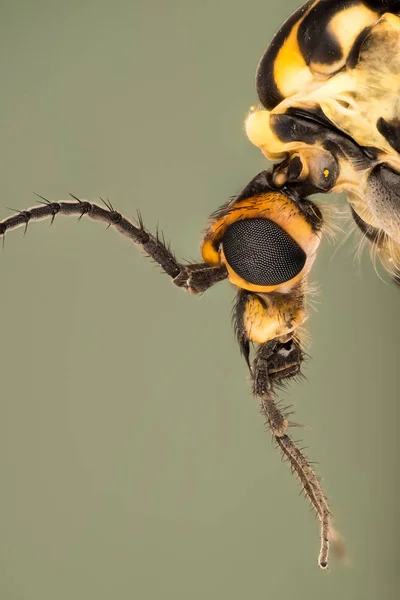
(108, 215)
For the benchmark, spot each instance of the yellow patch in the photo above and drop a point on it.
(278, 316)
(291, 72)
(210, 255)
(271, 205)
(259, 132)
(346, 24)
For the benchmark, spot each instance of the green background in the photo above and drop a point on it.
(134, 462)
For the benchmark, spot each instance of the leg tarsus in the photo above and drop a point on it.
(299, 464)
(274, 363)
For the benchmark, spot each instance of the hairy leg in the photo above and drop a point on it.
(274, 363)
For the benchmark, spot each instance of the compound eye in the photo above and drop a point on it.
(261, 252)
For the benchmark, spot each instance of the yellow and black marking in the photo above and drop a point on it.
(330, 81)
(337, 59)
(272, 316)
(315, 43)
(266, 239)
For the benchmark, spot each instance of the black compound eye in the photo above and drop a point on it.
(261, 252)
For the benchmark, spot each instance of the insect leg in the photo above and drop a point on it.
(275, 362)
(195, 278)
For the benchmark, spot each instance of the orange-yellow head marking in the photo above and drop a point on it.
(274, 207)
(291, 72)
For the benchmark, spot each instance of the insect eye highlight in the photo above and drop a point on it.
(261, 252)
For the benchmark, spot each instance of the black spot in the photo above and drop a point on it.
(383, 6)
(315, 115)
(390, 131)
(292, 128)
(371, 233)
(294, 169)
(238, 313)
(316, 43)
(354, 54)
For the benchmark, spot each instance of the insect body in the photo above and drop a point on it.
(330, 85)
(265, 240)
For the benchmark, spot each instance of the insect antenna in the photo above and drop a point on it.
(193, 277)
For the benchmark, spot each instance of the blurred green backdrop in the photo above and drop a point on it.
(134, 463)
